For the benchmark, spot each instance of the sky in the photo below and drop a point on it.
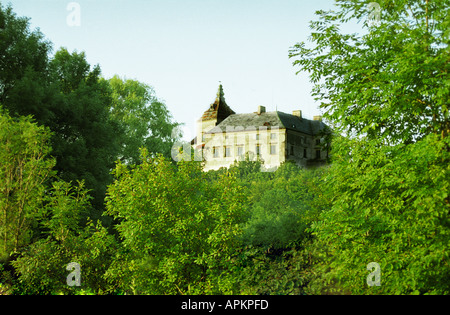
(184, 48)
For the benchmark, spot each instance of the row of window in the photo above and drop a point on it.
(291, 152)
(216, 151)
(273, 136)
(240, 150)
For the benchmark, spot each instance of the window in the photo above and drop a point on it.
(317, 141)
(227, 151)
(215, 152)
(258, 150)
(240, 150)
(318, 154)
(273, 149)
(273, 136)
(257, 136)
(292, 150)
(304, 153)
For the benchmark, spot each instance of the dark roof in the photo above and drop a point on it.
(270, 119)
(219, 109)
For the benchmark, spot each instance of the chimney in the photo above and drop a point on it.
(297, 113)
(261, 109)
(318, 118)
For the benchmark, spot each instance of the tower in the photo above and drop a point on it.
(214, 115)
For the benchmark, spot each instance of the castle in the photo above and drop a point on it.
(224, 137)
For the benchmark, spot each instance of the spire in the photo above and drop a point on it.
(220, 95)
(218, 110)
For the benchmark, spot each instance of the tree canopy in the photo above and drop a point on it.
(391, 80)
(146, 121)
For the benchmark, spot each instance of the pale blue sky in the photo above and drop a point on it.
(183, 48)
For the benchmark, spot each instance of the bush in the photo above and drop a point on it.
(391, 207)
(179, 231)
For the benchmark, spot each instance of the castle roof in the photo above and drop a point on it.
(219, 110)
(270, 120)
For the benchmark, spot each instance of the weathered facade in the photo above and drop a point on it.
(274, 137)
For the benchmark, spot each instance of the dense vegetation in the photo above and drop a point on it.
(86, 174)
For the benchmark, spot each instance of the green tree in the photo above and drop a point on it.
(41, 267)
(64, 94)
(390, 206)
(24, 168)
(389, 82)
(146, 121)
(179, 231)
(85, 142)
(388, 184)
(21, 50)
(276, 258)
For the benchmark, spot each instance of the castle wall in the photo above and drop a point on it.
(224, 148)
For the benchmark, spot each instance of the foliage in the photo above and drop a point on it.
(279, 272)
(23, 171)
(21, 50)
(178, 231)
(145, 119)
(387, 188)
(93, 121)
(391, 206)
(85, 144)
(42, 265)
(275, 257)
(391, 82)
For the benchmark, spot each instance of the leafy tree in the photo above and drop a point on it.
(284, 272)
(391, 81)
(41, 268)
(146, 121)
(387, 186)
(41, 228)
(21, 50)
(179, 232)
(64, 94)
(24, 168)
(391, 206)
(276, 220)
(85, 143)
(276, 253)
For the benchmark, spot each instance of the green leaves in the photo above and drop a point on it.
(184, 226)
(388, 184)
(145, 120)
(24, 168)
(389, 81)
(391, 207)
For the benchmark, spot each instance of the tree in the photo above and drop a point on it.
(275, 256)
(387, 89)
(179, 232)
(390, 206)
(146, 121)
(64, 94)
(41, 224)
(41, 266)
(390, 82)
(21, 50)
(24, 168)
(85, 142)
